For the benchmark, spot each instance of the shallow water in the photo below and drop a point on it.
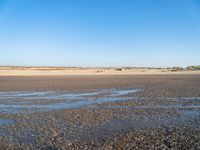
(6, 121)
(156, 107)
(20, 102)
(28, 102)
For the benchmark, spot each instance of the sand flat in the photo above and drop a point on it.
(118, 111)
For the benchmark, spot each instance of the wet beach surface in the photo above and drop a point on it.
(100, 112)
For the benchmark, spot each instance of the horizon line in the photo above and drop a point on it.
(57, 66)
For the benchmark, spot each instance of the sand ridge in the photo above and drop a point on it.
(38, 71)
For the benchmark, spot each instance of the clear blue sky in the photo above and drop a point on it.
(100, 32)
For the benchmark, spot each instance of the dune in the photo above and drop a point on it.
(40, 71)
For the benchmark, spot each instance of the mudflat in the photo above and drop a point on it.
(100, 112)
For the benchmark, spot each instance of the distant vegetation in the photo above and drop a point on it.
(100, 69)
(189, 68)
(175, 69)
(118, 69)
(193, 68)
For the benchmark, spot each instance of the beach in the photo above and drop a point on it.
(100, 112)
(99, 75)
(61, 71)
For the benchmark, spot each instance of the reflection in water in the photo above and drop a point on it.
(17, 102)
(157, 107)
(27, 102)
(6, 121)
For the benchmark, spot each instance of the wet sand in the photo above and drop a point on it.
(100, 112)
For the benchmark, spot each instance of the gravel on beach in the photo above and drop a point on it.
(163, 112)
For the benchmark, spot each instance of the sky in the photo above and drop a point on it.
(147, 33)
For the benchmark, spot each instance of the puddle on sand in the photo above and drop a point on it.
(6, 121)
(62, 94)
(183, 98)
(16, 102)
(156, 107)
(22, 102)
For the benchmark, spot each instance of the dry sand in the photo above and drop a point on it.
(51, 71)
